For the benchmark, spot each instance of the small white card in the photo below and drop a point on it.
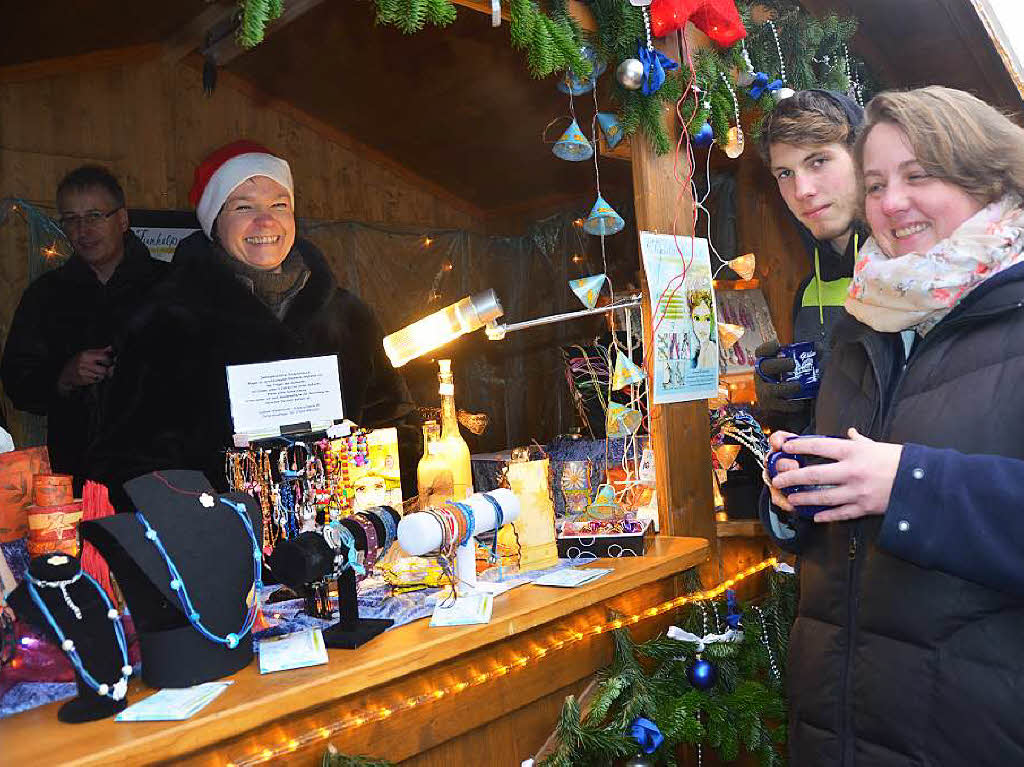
(298, 650)
(571, 577)
(268, 395)
(468, 609)
(173, 705)
(647, 475)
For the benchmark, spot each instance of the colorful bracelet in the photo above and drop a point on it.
(469, 522)
(370, 556)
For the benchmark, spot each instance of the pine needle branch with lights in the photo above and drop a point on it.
(742, 710)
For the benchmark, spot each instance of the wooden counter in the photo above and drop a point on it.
(422, 691)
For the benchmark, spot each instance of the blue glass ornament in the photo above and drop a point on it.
(702, 674)
(705, 136)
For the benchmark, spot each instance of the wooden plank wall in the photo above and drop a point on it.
(765, 227)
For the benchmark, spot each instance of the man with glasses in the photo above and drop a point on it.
(63, 337)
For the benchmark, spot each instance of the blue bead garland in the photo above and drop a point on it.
(178, 584)
(119, 689)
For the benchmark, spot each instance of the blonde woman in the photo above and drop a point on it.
(907, 645)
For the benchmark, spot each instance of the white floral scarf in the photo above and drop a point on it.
(919, 289)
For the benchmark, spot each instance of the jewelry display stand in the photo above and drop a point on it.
(202, 533)
(79, 611)
(420, 534)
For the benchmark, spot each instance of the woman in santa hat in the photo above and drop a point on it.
(245, 289)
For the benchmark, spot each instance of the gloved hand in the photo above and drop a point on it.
(775, 397)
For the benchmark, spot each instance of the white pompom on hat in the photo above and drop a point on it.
(221, 173)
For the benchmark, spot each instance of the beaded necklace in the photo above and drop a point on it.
(115, 691)
(178, 584)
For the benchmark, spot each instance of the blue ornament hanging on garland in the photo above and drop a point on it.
(705, 136)
(702, 674)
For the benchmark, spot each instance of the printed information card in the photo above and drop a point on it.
(268, 397)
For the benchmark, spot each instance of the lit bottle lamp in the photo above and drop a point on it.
(442, 327)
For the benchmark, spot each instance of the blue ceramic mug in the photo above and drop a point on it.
(805, 372)
(803, 460)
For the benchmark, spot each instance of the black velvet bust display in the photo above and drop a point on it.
(93, 634)
(307, 558)
(212, 551)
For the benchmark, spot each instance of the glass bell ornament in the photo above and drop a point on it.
(734, 142)
(603, 219)
(573, 145)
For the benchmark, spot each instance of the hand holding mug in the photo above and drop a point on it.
(856, 481)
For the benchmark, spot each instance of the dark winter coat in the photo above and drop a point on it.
(64, 312)
(907, 645)
(168, 403)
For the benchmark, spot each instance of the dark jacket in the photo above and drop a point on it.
(169, 402)
(64, 312)
(906, 648)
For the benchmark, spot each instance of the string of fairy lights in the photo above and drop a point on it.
(319, 735)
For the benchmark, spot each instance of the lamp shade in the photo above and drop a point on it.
(743, 265)
(587, 289)
(573, 146)
(603, 219)
(610, 128)
(437, 329)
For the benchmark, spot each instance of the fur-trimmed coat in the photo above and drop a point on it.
(167, 405)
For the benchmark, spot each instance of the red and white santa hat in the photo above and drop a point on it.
(221, 173)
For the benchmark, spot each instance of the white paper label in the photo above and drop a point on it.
(269, 395)
(446, 389)
(647, 467)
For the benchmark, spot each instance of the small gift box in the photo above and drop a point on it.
(17, 470)
(54, 529)
(606, 545)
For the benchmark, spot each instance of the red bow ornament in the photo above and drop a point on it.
(718, 19)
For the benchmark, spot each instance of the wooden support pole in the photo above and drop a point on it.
(680, 432)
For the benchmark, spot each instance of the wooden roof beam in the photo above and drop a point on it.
(218, 22)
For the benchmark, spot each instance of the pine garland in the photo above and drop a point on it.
(744, 711)
(412, 15)
(814, 51)
(255, 15)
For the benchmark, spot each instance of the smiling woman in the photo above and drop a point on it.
(245, 289)
(911, 581)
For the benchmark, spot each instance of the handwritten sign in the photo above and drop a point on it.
(267, 398)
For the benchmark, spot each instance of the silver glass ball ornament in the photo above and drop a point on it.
(783, 93)
(745, 79)
(630, 74)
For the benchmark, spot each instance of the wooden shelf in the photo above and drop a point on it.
(740, 528)
(256, 710)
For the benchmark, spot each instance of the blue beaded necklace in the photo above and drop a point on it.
(178, 584)
(115, 691)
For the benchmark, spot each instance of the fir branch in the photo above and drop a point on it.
(255, 15)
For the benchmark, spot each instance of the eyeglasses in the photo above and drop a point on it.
(91, 219)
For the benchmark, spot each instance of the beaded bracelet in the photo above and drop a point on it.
(383, 513)
(469, 522)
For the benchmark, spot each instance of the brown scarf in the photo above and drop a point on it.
(275, 288)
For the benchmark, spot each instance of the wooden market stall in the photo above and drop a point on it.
(435, 131)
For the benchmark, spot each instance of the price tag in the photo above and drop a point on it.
(647, 467)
